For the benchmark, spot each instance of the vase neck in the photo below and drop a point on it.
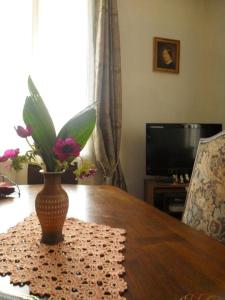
(52, 178)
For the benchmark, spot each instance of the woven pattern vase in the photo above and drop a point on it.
(51, 207)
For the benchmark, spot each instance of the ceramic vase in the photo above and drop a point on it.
(51, 207)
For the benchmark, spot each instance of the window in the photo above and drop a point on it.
(50, 41)
(15, 50)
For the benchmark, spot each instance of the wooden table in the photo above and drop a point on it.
(164, 259)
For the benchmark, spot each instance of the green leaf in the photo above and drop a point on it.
(80, 127)
(36, 115)
(32, 88)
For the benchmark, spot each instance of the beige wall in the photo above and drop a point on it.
(197, 94)
(215, 67)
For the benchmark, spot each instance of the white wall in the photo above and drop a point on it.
(197, 94)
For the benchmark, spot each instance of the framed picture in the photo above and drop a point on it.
(166, 55)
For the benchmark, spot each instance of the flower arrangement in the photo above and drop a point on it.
(53, 153)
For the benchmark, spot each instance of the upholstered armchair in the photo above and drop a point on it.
(205, 203)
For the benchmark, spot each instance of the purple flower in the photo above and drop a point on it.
(90, 172)
(23, 132)
(10, 153)
(63, 149)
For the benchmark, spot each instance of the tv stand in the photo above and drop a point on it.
(166, 179)
(175, 178)
(168, 197)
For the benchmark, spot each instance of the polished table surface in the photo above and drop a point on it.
(164, 259)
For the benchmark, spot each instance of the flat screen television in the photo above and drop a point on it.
(171, 148)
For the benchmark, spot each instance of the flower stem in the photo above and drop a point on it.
(31, 146)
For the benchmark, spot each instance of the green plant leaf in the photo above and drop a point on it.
(80, 127)
(36, 115)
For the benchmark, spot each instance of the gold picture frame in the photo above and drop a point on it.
(166, 55)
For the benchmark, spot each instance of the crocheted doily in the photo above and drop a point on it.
(87, 265)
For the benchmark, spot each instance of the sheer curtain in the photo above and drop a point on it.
(61, 56)
(51, 41)
(15, 50)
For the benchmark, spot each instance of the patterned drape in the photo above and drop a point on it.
(107, 91)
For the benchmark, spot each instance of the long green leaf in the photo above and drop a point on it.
(80, 127)
(36, 115)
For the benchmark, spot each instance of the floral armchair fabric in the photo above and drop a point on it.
(205, 204)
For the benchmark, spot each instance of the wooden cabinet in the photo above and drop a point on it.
(169, 197)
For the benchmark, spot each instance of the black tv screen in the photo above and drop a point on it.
(171, 148)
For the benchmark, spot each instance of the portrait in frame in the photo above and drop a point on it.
(166, 55)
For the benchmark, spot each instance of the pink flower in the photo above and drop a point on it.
(64, 149)
(10, 153)
(23, 132)
(3, 158)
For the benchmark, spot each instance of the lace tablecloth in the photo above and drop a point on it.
(87, 265)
